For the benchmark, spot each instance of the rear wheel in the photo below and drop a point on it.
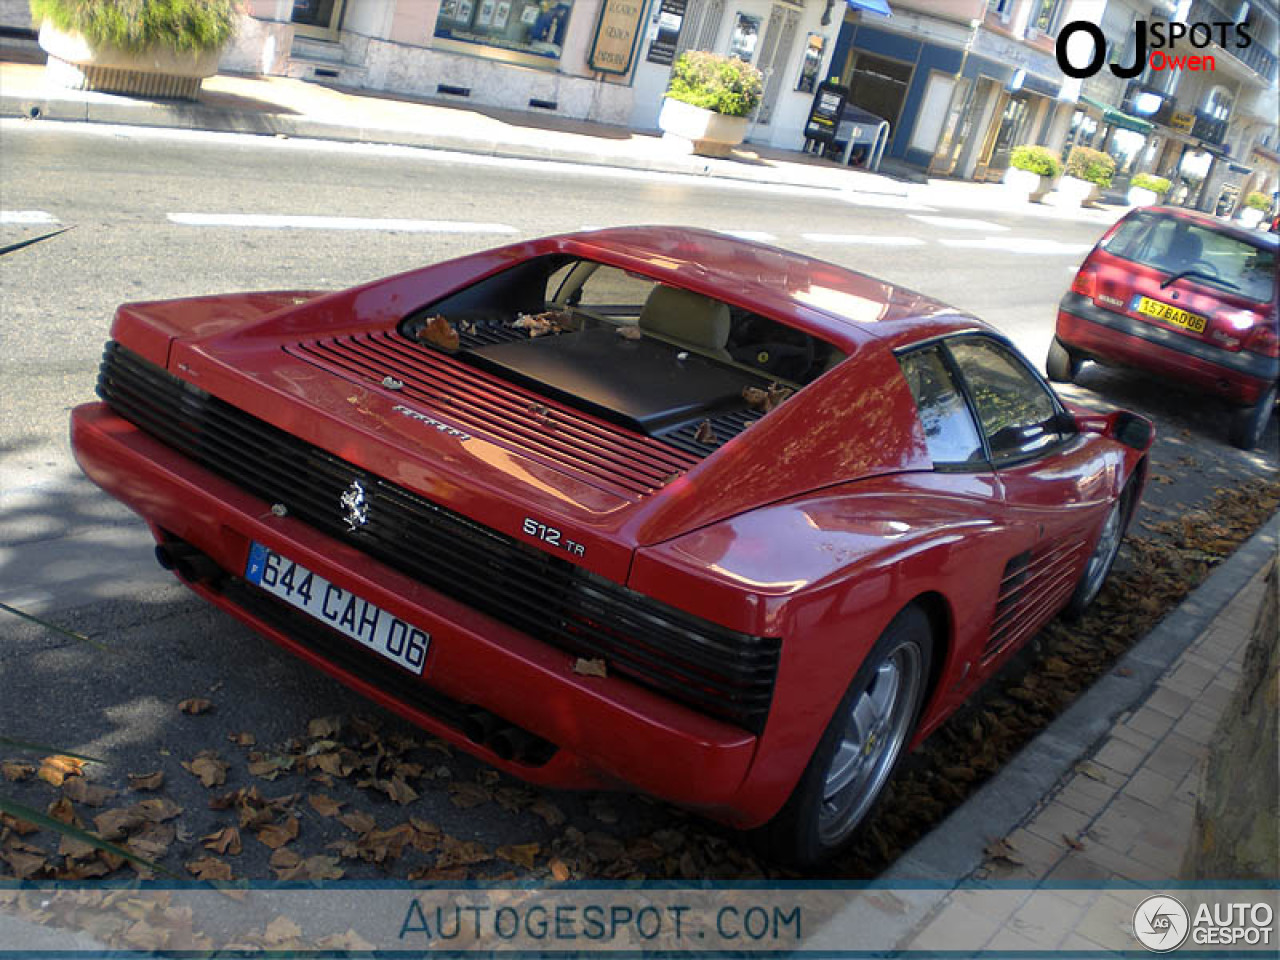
(859, 749)
(1248, 424)
(1103, 556)
(1062, 365)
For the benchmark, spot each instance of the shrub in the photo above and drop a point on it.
(1035, 159)
(139, 25)
(720, 84)
(1095, 166)
(1145, 181)
(1258, 201)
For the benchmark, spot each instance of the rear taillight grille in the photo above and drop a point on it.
(717, 671)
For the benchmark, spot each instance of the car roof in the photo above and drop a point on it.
(1256, 237)
(841, 304)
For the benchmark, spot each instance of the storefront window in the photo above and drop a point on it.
(533, 27)
(746, 32)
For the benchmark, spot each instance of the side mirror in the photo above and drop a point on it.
(1133, 431)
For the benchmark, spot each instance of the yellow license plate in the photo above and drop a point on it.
(1163, 311)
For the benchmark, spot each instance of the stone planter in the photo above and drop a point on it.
(1141, 197)
(1073, 191)
(166, 74)
(1249, 217)
(700, 131)
(1025, 183)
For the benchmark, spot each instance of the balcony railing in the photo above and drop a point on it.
(1209, 129)
(1255, 56)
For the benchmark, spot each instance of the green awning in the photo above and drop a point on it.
(1117, 118)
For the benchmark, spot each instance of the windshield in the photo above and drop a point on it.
(1184, 249)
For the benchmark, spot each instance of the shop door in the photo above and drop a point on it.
(879, 85)
(1002, 136)
(701, 25)
(779, 38)
(317, 18)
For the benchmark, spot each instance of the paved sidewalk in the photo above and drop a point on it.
(282, 106)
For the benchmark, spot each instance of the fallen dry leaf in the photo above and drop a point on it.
(460, 853)
(440, 332)
(280, 930)
(195, 706)
(209, 869)
(560, 870)
(1004, 851)
(268, 767)
(209, 767)
(704, 434)
(590, 668)
(16, 771)
(156, 809)
(549, 812)
(224, 841)
(81, 790)
(57, 768)
(146, 781)
(357, 821)
(523, 855)
(275, 835)
(322, 728)
(115, 824)
(466, 795)
(242, 739)
(629, 332)
(324, 805)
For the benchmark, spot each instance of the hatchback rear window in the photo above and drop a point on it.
(1178, 247)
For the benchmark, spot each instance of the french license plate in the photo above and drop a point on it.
(401, 643)
(1170, 314)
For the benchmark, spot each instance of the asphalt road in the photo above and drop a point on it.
(149, 212)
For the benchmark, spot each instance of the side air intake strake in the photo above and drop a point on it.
(717, 671)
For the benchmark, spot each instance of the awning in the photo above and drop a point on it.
(874, 6)
(1117, 118)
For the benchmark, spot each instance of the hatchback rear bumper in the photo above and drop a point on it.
(1239, 377)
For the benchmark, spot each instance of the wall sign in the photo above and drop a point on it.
(617, 30)
(1182, 121)
(662, 50)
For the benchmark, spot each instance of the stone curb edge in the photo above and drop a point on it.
(196, 117)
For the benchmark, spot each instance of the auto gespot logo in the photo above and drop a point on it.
(1081, 48)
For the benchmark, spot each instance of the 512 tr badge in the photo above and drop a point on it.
(552, 536)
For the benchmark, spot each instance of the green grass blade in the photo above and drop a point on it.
(54, 627)
(31, 815)
(29, 747)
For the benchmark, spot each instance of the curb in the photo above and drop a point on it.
(941, 861)
(200, 117)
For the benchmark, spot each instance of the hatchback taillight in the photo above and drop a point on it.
(1264, 339)
(1086, 281)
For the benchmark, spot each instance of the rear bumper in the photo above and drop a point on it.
(1239, 378)
(605, 730)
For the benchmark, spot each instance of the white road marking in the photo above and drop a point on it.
(1017, 245)
(277, 222)
(27, 217)
(864, 239)
(759, 236)
(957, 223)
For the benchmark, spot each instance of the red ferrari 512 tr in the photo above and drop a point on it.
(645, 506)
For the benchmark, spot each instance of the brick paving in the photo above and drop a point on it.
(1123, 816)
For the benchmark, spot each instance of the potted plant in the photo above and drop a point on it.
(1032, 171)
(1145, 189)
(708, 101)
(1089, 172)
(157, 48)
(1256, 204)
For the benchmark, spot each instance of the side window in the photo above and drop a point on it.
(949, 429)
(1017, 413)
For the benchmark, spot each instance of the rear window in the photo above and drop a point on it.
(1178, 247)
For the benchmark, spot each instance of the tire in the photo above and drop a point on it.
(860, 749)
(1248, 424)
(1103, 557)
(1062, 366)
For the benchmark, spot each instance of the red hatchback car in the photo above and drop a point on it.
(649, 507)
(1186, 296)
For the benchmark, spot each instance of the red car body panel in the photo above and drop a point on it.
(1105, 327)
(817, 526)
